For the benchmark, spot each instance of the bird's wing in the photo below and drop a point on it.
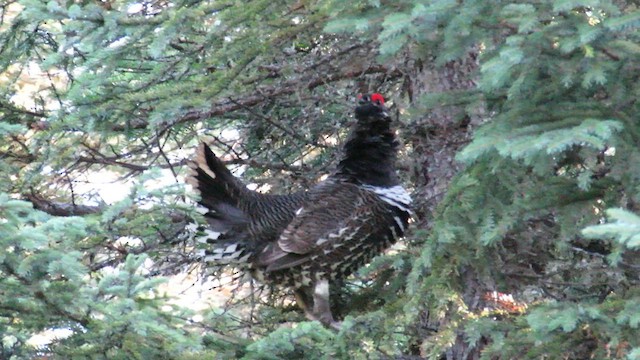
(335, 213)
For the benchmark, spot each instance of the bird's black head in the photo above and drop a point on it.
(371, 107)
(370, 151)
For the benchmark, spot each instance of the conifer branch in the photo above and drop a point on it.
(124, 19)
(261, 93)
(56, 208)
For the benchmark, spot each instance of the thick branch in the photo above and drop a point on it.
(61, 209)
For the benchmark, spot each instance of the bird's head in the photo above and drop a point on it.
(371, 108)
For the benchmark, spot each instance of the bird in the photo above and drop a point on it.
(307, 239)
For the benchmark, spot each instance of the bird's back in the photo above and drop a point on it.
(304, 240)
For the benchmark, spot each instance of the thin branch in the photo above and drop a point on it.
(164, 156)
(256, 97)
(275, 124)
(270, 166)
(13, 108)
(106, 161)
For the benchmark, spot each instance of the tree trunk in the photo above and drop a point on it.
(437, 138)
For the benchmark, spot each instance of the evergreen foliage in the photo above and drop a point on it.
(530, 253)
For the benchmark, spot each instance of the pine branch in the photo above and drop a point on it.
(55, 308)
(126, 20)
(126, 165)
(261, 93)
(61, 209)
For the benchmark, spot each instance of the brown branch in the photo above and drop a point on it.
(235, 161)
(267, 119)
(105, 161)
(262, 165)
(609, 54)
(332, 56)
(61, 209)
(130, 166)
(166, 158)
(17, 109)
(261, 93)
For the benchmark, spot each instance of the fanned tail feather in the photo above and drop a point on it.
(221, 194)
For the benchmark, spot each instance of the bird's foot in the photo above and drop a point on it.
(325, 319)
(336, 325)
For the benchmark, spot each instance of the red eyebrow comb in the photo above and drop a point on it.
(377, 98)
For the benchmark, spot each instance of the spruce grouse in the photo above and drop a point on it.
(307, 239)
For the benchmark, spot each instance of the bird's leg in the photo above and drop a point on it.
(319, 297)
(303, 300)
(321, 305)
(306, 302)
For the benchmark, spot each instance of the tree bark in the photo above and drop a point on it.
(436, 138)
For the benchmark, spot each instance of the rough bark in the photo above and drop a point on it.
(436, 138)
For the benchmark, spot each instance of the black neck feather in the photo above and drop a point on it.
(370, 154)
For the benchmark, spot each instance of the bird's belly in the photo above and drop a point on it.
(336, 261)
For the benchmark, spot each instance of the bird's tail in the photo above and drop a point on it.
(220, 249)
(222, 198)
